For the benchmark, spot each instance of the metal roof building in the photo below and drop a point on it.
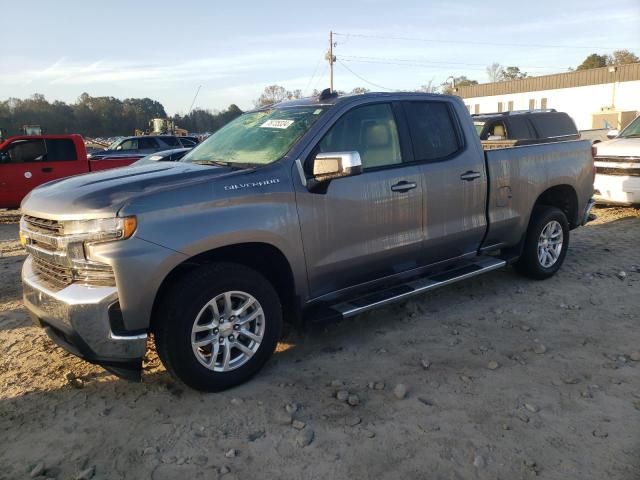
(607, 97)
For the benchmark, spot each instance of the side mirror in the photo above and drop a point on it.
(613, 133)
(4, 157)
(119, 147)
(327, 166)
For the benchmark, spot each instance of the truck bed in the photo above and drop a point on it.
(519, 175)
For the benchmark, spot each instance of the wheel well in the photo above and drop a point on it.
(563, 197)
(264, 258)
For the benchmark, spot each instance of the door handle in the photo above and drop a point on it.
(47, 169)
(403, 186)
(470, 176)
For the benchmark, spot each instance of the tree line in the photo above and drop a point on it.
(102, 116)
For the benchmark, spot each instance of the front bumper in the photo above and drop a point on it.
(77, 319)
(617, 189)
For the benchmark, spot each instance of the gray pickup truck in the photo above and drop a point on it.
(314, 209)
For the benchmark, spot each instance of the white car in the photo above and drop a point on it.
(617, 165)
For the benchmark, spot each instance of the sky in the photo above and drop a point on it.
(232, 50)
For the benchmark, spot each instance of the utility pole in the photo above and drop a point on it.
(332, 59)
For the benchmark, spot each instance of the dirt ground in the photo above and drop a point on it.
(506, 378)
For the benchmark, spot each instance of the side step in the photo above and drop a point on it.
(377, 299)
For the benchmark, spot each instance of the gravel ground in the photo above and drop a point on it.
(497, 377)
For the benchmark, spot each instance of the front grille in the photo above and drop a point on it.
(57, 277)
(52, 275)
(43, 225)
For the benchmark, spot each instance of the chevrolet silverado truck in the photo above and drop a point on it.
(307, 210)
(30, 160)
(617, 163)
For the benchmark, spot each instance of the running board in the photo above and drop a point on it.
(377, 299)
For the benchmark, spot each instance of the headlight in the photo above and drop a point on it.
(100, 229)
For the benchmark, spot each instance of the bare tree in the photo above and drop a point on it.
(272, 94)
(495, 72)
(428, 87)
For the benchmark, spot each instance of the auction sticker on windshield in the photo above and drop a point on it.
(277, 124)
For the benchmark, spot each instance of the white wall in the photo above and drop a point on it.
(579, 102)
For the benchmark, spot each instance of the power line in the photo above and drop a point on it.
(405, 64)
(315, 70)
(418, 61)
(467, 42)
(321, 77)
(363, 79)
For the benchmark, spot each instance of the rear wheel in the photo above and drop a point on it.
(218, 326)
(546, 243)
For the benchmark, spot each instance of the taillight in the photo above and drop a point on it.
(594, 151)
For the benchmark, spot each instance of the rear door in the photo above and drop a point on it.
(367, 226)
(454, 181)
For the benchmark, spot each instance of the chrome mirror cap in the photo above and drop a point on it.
(327, 166)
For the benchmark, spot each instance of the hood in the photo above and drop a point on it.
(102, 194)
(619, 147)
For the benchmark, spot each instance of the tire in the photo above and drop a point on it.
(191, 305)
(533, 262)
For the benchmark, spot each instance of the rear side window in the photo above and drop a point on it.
(23, 151)
(145, 143)
(61, 150)
(520, 128)
(553, 124)
(433, 130)
(171, 141)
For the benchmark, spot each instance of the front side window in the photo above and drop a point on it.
(257, 138)
(23, 151)
(371, 131)
(433, 131)
(130, 144)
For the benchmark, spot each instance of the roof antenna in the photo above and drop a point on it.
(327, 93)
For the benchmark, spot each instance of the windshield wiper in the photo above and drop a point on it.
(631, 135)
(221, 163)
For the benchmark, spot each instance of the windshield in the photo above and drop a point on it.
(113, 144)
(632, 130)
(257, 138)
(479, 126)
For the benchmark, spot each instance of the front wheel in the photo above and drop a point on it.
(218, 326)
(546, 243)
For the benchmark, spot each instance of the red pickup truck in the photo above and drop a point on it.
(31, 160)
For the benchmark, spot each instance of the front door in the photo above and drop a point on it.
(367, 226)
(28, 162)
